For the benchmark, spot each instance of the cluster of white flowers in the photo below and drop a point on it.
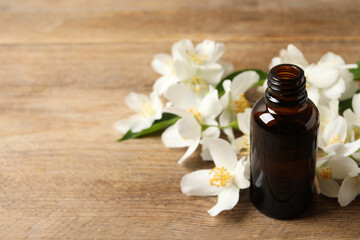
(188, 88)
(329, 81)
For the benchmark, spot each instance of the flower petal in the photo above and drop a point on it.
(332, 58)
(293, 55)
(211, 73)
(322, 75)
(356, 104)
(348, 191)
(135, 123)
(213, 51)
(348, 148)
(190, 150)
(227, 199)
(162, 63)
(241, 143)
(184, 70)
(244, 121)
(163, 83)
(334, 107)
(135, 101)
(210, 106)
(211, 132)
(198, 184)
(243, 82)
(140, 123)
(239, 176)
(182, 97)
(350, 85)
(172, 139)
(351, 117)
(313, 94)
(341, 166)
(335, 91)
(274, 61)
(205, 153)
(336, 128)
(329, 188)
(181, 112)
(224, 99)
(189, 128)
(181, 49)
(123, 125)
(225, 119)
(222, 152)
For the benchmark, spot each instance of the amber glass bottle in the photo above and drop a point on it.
(283, 145)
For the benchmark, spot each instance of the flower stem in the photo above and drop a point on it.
(231, 125)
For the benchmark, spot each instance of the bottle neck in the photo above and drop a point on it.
(286, 86)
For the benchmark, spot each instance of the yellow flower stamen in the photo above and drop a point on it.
(196, 113)
(335, 139)
(197, 85)
(326, 173)
(241, 104)
(197, 59)
(147, 109)
(243, 144)
(220, 177)
(307, 85)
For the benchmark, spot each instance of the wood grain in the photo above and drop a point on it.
(66, 67)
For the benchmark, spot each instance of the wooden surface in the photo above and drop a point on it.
(65, 68)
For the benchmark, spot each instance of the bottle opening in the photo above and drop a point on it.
(286, 72)
(286, 85)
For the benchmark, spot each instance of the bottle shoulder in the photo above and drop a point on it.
(285, 120)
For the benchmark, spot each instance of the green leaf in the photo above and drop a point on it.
(345, 104)
(261, 73)
(356, 72)
(166, 120)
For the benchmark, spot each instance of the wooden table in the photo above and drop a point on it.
(65, 69)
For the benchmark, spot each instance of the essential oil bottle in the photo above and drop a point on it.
(283, 145)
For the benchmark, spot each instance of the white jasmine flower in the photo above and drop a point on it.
(330, 169)
(224, 181)
(186, 132)
(353, 118)
(290, 55)
(148, 110)
(194, 112)
(233, 101)
(326, 78)
(205, 52)
(332, 77)
(164, 65)
(198, 79)
(242, 144)
(334, 134)
(333, 140)
(350, 187)
(185, 103)
(338, 63)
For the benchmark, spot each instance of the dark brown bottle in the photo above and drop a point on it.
(283, 145)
